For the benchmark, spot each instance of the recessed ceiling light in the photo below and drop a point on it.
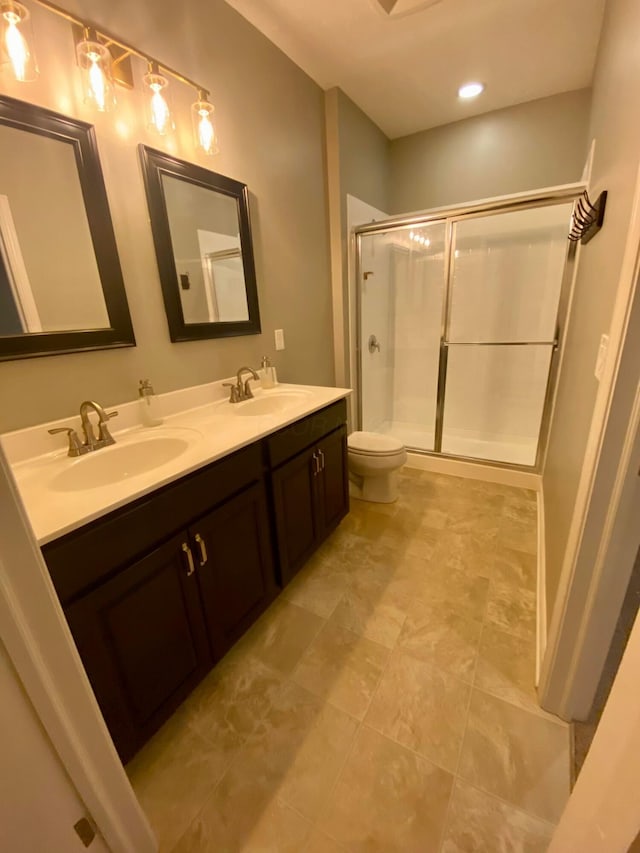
(470, 90)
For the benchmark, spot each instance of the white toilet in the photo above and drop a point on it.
(374, 461)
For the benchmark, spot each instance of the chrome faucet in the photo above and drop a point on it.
(104, 439)
(241, 391)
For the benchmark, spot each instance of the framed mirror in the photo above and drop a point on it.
(202, 238)
(61, 286)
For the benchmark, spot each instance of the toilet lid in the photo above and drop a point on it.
(374, 442)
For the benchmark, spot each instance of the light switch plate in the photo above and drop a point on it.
(602, 356)
(279, 336)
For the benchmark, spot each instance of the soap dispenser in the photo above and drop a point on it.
(149, 404)
(268, 373)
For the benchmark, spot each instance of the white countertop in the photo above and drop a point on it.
(208, 430)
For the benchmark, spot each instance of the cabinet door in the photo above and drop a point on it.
(333, 483)
(295, 500)
(235, 566)
(142, 640)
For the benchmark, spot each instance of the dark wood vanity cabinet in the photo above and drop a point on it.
(142, 639)
(310, 497)
(158, 591)
(235, 574)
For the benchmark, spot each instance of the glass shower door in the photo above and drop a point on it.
(505, 283)
(402, 283)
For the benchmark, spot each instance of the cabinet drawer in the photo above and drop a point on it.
(293, 439)
(85, 557)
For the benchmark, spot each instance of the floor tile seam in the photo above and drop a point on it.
(325, 622)
(319, 822)
(462, 778)
(235, 757)
(509, 803)
(537, 712)
(315, 613)
(549, 824)
(316, 822)
(415, 752)
(381, 676)
(488, 623)
(328, 701)
(530, 635)
(431, 662)
(283, 800)
(447, 817)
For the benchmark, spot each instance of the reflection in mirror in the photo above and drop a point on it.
(202, 236)
(206, 249)
(61, 287)
(51, 281)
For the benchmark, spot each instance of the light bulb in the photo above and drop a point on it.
(15, 36)
(94, 60)
(97, 82)
(159, 113)
(470, 90)
(204, 133)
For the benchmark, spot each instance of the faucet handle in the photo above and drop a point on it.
(75, 446)
(103, 430)
(234, 396)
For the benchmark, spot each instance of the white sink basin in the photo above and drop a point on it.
(269, 403)
(131, 457)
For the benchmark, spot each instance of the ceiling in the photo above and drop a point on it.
(402, 62)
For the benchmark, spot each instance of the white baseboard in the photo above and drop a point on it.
(541, 590)
(474, 471)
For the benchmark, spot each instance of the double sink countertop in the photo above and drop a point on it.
(61, 493)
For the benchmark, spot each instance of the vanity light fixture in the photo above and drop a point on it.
(204, 133)
(16, 42)
(158, 110)
(470, 90)
(94, 60)
(104, 60)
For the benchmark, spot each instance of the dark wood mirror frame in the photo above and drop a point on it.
(27, 117)
(155, 164)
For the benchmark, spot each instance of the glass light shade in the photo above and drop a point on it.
(16, 42)
(157, 104)
(95, 61)
(203, 130)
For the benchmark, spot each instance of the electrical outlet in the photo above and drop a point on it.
(279, 336)
(601, 357)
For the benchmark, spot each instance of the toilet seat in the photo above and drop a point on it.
(374, 444)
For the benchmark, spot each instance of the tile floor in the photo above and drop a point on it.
(385, 701)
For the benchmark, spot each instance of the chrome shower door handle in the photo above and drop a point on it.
(373, 344)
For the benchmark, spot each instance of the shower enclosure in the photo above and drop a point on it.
(457, 326)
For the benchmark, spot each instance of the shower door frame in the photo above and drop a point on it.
(449, 217)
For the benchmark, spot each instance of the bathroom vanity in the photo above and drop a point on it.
(158, 585)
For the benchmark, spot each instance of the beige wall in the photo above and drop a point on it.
(364, 154)
(357, 165)
(616, 128)
(270, 120)
(525, 147)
